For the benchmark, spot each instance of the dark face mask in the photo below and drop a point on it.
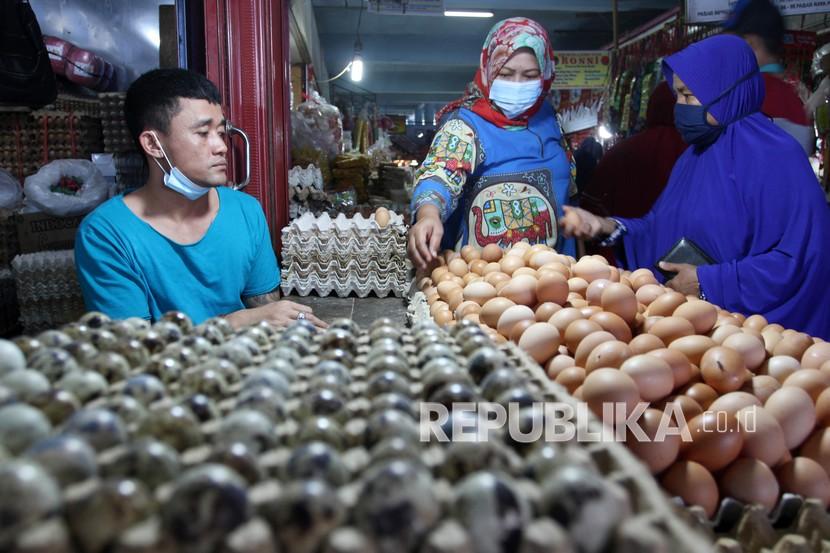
(693, 127)
(692, 124)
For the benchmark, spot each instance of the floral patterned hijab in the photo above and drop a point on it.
(502, 41)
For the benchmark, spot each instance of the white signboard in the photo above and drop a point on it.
(707, 11)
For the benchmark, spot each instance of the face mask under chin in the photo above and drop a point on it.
(177, 181)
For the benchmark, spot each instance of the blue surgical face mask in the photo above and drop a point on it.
(512, 98)
(693, 127)
(177, 181)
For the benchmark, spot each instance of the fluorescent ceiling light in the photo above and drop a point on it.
(356, 72)
(462, 13)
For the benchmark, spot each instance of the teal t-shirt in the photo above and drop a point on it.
(126, 268)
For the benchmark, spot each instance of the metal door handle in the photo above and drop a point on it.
(235, 130)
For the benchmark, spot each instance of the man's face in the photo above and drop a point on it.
(195, 142)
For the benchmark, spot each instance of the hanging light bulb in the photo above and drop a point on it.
(356, 71)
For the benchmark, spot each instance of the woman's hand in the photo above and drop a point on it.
(425, 237)
(584, 225)
(686, 280)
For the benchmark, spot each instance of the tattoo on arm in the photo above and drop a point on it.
(263, 299)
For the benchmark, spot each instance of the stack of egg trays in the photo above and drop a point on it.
(48, 293)
(18, 152)
(116, 135)
(795, 524)
(345, 256)
(618, 464)
(65, 135)
(9, 309)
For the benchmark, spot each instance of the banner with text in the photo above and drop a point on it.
(582, 69)
(708, 11)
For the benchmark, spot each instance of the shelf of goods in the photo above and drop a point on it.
(608, 335)
(127, 436)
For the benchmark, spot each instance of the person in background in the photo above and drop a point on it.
(497, 171)
(586, 157)
(184, 241)
(760, 23)
(632, 174)
(743, 191)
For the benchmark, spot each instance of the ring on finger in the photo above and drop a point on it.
(300, 316)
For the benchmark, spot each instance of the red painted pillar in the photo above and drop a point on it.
(246, 44)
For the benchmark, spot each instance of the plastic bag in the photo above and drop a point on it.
(66, 187)
(11, 194)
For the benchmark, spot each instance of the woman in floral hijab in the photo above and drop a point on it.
(497, 171)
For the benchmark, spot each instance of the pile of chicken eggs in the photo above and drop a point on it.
(614, 336)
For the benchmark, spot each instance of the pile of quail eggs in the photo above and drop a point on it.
(129, 436)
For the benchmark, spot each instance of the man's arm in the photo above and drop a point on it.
(262, 299)
(270, 308)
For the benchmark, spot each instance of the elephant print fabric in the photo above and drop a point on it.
(515, 208)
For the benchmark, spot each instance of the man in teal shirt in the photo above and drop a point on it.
(183, 241)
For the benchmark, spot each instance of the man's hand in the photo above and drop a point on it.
(686, 280)
(425, 237)
(584, 225)
(278, 313)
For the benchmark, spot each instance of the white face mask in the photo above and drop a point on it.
(177, 181)
(512, 98)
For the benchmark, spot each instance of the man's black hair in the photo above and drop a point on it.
(153, 99)
(762, 18)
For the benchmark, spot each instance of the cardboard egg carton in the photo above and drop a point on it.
(795, 524)
(361, 286)
(48, 292)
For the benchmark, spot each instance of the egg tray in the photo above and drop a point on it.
(396, 269)
(95, 518)
(795, 524)
(335, 247)
(344, 227)
(360, 285)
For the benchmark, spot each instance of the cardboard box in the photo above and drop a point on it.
(39, 232)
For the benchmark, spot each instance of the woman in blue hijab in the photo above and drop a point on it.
(744, 192)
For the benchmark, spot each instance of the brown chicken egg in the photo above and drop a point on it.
(648, 293)
(526, 271)
(438, 306)
(793, 408)
(701, 314)
(694, 484)
(511, 316)
(816, 355)
(781, 367)
(544, 311)
(594, 291)
(456, 298)
(519, 329)
(466, 308)
(823, 409)
(473, 317)
(756, 322)
(477, 266)
(470, 253)
(702, 393)
(578, 285)
(438, 272)
(761, 386)
(521, 290)
(446, 289)
(614, 324)
(588, 343)
(557, 364)
(805, 477)
(723, 369)
(575, 300)
(812, 381)
(541, 258)
(763, 436)
(620, 300)
(607, 387)
(817, 448)
(552, 287)
(653, 375)
(564, 317)
(493, 309)
(471, 277)
(688, 407)
(510, 263)
(727, 319)
(794, 345)
(750, 481)
(578, 330)
(665, 304)
(751, 348)
(657, 454)
(669, 329)
(491, 253)
(571, 378)
(693, 347)
(680, 366)
(556, 267)
(591, 269)
(611, 354)
(771, 337)
(443, 317)
(721, 333)
(716, 440)
(458, 267)
(480, 292)
(491, 268)
(645, 343)
(734, 402)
